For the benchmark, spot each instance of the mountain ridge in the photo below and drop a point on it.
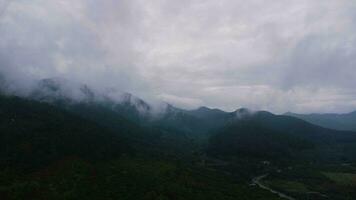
(346, 121)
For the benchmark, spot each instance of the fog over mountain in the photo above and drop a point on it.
(280, 56)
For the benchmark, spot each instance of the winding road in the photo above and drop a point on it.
(257, 181)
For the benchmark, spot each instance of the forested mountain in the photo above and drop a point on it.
(60, 92)
(83, 151)
(265, 135)
(172, 128)
(333, 121)
(115, 144)
(35, 134)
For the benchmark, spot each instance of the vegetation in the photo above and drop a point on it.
(313, 182)
(91, 150)
(34, 134)
(245, 139)
(124, 178)
(289, 186)
(49, 153)
(267, 136)
(346, 179)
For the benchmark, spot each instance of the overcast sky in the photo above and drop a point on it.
(280, 55)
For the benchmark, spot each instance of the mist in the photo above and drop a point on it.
(279, 56)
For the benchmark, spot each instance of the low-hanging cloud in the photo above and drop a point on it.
(297, 55)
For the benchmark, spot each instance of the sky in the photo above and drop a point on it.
(280, 55)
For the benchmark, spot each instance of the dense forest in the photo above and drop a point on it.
(53, 147)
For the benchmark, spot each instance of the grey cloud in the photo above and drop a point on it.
(281, 56)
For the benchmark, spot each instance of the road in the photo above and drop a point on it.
(257, 181)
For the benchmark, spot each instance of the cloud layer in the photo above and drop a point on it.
(295, 55)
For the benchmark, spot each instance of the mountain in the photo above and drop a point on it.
(64, 93)
(266, 136)
(198, 123)
(119, 112)
(110, 107)
(54, 90)
(333, 121)
(33, 134)
(174, 128)
(70, 141)
(207, 113)
(51, 152)
(176, 120)
(246, 139)
(211, 119)
(3, 84)
(300, 128)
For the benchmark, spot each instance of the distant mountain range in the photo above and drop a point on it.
(60, 91)
(265, 135)
(333, 121)
(258, 134)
